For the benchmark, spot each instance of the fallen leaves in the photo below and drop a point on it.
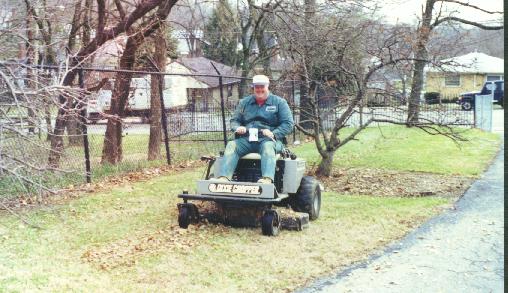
(377, 182)
(73, 191)
(127, 252)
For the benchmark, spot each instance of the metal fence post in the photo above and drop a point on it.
(84, 128)
(224, 133)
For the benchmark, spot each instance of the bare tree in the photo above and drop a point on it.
(121, 19)
(336, 76)
(189, 16)
(221, 35)
(112, 150)
(429, 21)
(255, 20)
(38, 14)
(21, 167)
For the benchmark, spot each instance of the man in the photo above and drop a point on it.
(263, 111)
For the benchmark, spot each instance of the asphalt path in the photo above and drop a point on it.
(461, 250)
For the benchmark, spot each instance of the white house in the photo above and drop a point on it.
(194, 88)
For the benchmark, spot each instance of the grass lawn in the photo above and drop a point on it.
(400, 148)
(127, 238)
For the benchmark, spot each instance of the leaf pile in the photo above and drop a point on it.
(378, 182)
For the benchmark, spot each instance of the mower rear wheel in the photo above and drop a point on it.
(270, 223)
(308, 198)
(184, 217)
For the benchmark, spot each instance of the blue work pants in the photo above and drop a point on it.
(239, 147)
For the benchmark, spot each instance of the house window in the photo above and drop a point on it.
(452, 80)
(494, 77)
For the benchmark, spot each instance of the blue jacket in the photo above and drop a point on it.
(274, 115)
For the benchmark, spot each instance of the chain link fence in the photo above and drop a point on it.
(197, 113)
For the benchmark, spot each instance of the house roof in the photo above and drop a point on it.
(108, 55)
(202, 65)
(470, 63)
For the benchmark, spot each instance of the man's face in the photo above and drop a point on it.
(260, 91)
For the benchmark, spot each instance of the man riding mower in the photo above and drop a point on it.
(256, 171)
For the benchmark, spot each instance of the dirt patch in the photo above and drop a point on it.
(377, 182)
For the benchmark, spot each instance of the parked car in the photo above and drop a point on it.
(467, 100)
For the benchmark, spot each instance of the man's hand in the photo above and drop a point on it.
(268, 133)
(241, 130)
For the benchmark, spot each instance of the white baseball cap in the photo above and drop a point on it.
(260, 80)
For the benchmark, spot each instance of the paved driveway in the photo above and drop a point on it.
(461, 250)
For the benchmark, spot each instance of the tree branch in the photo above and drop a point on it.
(121, 10)
(472, 6)
(465, 21)
(354, 134)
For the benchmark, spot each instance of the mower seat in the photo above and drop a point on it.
(256, 156)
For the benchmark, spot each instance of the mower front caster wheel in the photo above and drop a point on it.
(187, 214)
(270, 223)
(184, 217)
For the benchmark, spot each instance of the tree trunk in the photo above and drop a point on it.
(416, 91)
(326, 164)
(157, 81)
(306, 112)
(419, 65)
(85, 31)
(47, 118)
(112, 149)
(264, 54)
(74, 128)
(56, 136)
(30, 56)
(154, 143)
(73, 124)
(242, 87)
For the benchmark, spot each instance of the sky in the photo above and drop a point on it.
(408, 10)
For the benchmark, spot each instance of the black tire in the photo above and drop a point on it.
(184, 217)
(270, 223)
(308, 198)
(467, 106)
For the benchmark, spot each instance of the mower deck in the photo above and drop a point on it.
(229, 198)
